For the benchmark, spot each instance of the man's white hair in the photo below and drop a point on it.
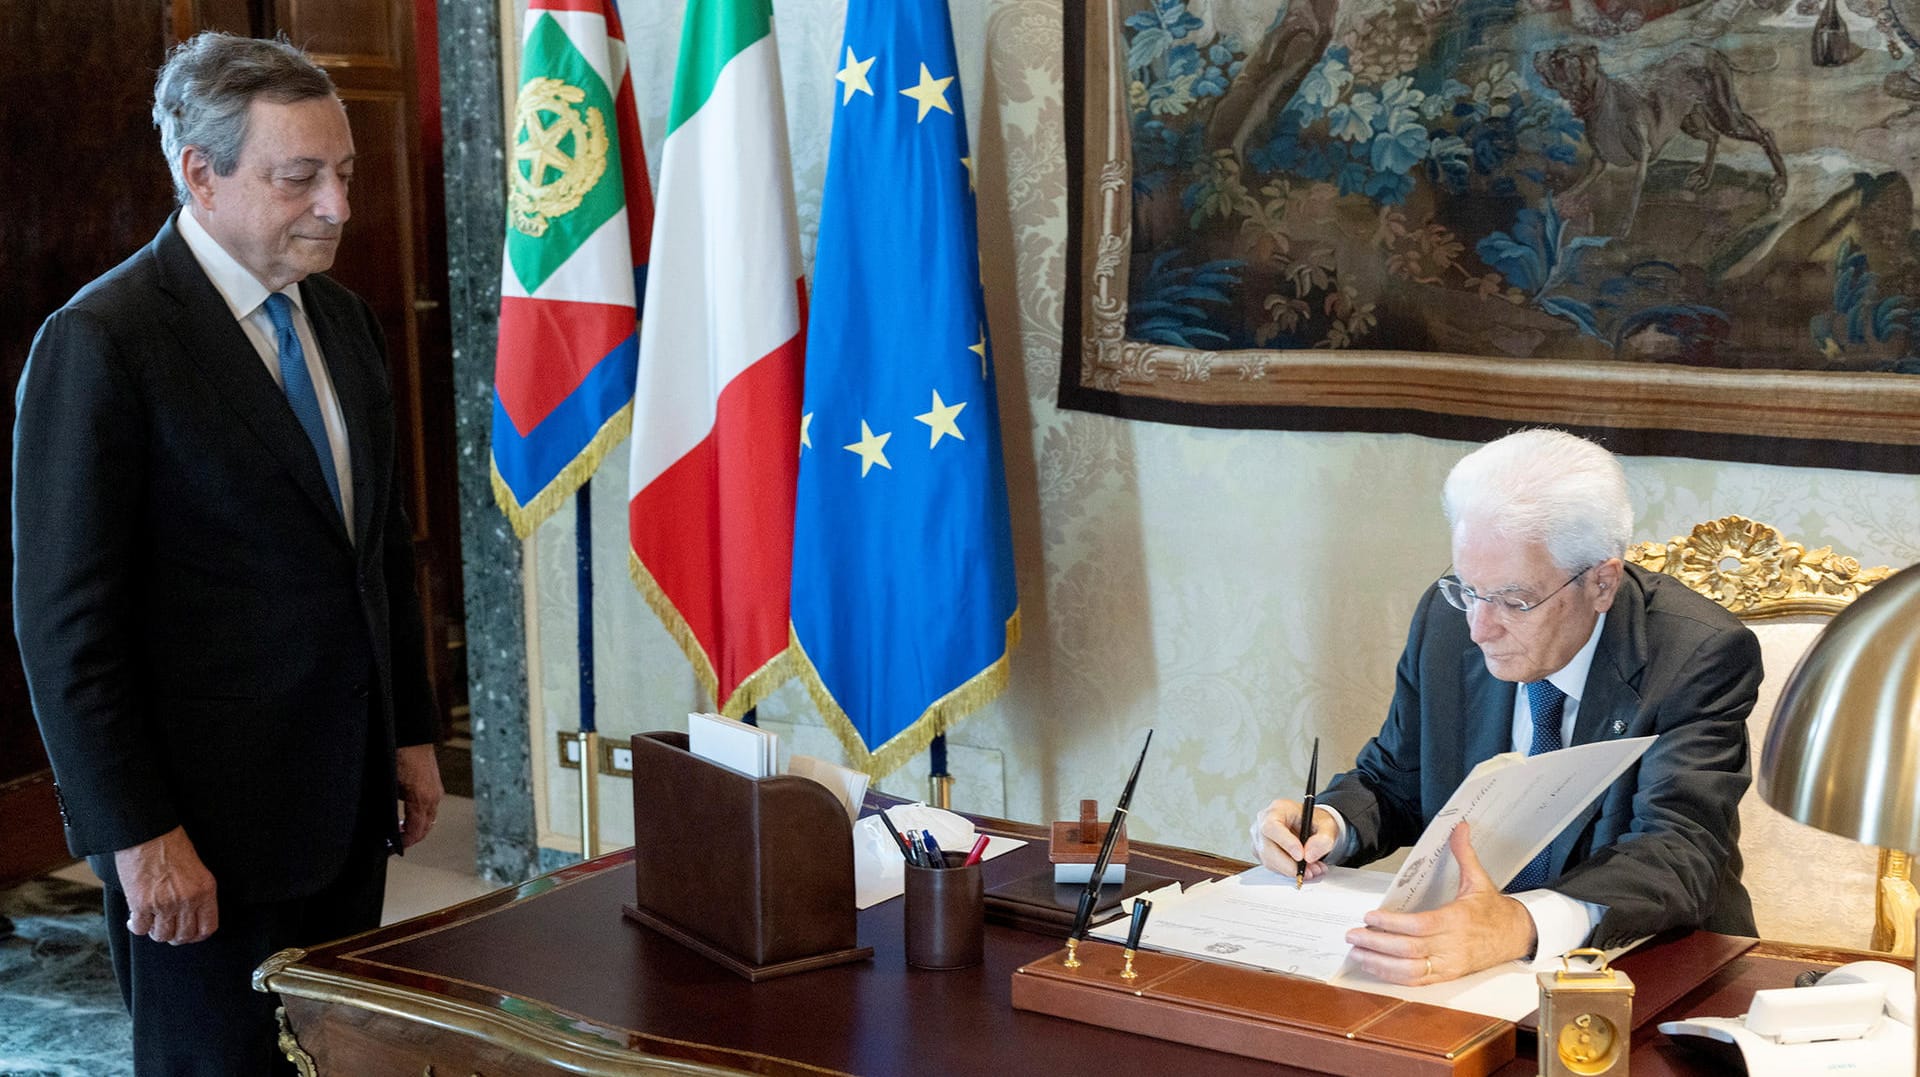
(1544, 486)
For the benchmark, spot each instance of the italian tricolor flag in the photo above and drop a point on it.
(716, 406)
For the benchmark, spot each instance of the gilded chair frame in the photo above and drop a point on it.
(1758, 574)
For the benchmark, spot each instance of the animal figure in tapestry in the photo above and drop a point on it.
(1631, 118)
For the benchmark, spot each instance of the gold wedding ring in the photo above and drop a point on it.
(1429, 966)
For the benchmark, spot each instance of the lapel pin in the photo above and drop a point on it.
(1619, 727)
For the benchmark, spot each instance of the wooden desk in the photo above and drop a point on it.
(548, 978)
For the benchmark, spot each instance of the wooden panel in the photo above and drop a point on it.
(394, 257)
(349, 33)
(86, 186)
(30, 849)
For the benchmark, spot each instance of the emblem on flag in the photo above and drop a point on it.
(549, 116)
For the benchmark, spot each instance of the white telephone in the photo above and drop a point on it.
(1856, 1020)
(1898, 982)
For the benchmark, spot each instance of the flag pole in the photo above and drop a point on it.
(939, 782)
(588, 736)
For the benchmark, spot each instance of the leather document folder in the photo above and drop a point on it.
(755, 874)
(1265, 1015)
(1036, 903)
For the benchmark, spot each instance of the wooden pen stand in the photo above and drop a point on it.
(753, 874)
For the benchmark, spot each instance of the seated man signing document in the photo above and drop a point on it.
(1542, 637)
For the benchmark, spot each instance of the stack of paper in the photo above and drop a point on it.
(748, 749)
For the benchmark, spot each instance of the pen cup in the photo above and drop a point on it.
(946, 915)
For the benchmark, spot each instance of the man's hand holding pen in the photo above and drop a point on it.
(1276, 839)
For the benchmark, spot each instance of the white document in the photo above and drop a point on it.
(718, 739)
(1258, 918)
(1517, 804)
(847, 785)
(879, 871)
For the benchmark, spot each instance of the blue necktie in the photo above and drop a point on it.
(299, 386)
(1548, 703)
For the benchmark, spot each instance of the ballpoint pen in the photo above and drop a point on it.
(897, 839)
(974, 854)
(935, 859)
(1306, 817)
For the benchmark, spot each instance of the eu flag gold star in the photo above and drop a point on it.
(931, 94)
(806, 424)
(853, 77)
(871, 448)
(980, 350)
(940, 420)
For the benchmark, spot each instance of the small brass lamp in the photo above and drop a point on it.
(1843, 751)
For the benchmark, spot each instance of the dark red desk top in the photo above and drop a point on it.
(556, 953)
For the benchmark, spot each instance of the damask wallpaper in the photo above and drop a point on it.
(1240, 591)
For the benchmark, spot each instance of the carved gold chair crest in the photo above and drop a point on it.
(1757, 574)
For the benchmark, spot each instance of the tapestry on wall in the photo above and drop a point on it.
(1687, 228)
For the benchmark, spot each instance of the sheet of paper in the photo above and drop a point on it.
(879, 873)
(1517, 804)
(719, 739)
(1258, 918)
(848, 786)
(1508, 992)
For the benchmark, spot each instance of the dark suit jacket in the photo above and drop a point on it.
(1660, 847)
(203, 643)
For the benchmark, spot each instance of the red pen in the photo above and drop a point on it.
(974, 854)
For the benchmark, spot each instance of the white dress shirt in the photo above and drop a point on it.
(246, 299)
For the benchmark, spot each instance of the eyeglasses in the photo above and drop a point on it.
(1461, 597)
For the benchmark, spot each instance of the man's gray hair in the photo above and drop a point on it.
(1545, 486)
(210, 81)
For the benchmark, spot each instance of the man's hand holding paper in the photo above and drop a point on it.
(1480, 928)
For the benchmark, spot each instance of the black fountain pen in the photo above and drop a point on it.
(1091, 896)
(1306, 817)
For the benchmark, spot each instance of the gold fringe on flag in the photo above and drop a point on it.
(941, 715)
(525, 518)
(757, 685)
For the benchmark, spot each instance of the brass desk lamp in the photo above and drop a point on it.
(1843, 752)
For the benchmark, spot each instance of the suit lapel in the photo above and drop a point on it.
(1612, 697)
(1489, 710)
(216, 345)
(1612, 693)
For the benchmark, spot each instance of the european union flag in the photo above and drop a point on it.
(903, 595)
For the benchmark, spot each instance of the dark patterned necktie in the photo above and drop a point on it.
(1548, 703)
(299, 387)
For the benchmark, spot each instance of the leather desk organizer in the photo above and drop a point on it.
(753, 874)
(1264, 1015)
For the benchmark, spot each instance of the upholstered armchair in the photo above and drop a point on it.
(1808, 886)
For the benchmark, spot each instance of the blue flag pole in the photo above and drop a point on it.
(939, 782)
(588, 736)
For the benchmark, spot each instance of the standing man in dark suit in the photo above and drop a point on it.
(213, 575)
(1541, 598)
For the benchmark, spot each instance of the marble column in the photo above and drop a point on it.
(496, 628)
